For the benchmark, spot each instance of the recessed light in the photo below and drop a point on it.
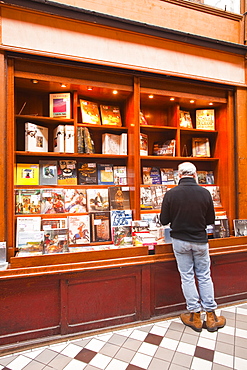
(115, 92)
(211, 103)
(89, 88)
(63, 85)
(192, 101)
(150, 96)
(35, 81)
(172, 99)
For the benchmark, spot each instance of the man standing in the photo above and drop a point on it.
(189, 208)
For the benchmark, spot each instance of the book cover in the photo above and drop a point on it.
(155, 227)
(27, 174)
(75, 200)
(67, 172)
(200, 147)
(167, 148)
(88, 142)
(55, 241)
(90, 112)
(87, 173)
(111, 144)
(110, 115)
(27, 201)
(120, 175)
(100, 227)
(80, 140)
(139, 226)
(58, 139)
(122, 236)
(36, 138)
(27, 224)
(205, 119)
(205, 177)
(119, 197)
(151, 175)
(47, 172)
(221, 228)
(79, 229)
(143, 120)
(121, 217)
(157, 194)
(60, 105)
(167, 176)
(123, 147)
(185, 120)
(215, 193)
(146, 198)
(54, 223)
(143, 144)
(69, 140)
(105, 174)
(30, 242)
(97, 200)
(240, 227)
(52, 201)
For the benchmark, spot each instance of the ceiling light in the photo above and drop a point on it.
(115, 92)
(150, 96)
(172, 99)
(89, 88)
(211, 103)
(192, 101)
(35, 81)
(63, 85)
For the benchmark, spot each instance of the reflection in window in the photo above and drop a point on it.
(228, 5)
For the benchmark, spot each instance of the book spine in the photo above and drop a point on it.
(123, 144)
(80, 140)
(69, 139)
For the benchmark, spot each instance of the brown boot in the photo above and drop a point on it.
(193, 320)
(213, 322)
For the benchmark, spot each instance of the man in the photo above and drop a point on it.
(189, 208)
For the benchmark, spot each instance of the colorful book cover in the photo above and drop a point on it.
(119, 197)
(27, 174)
(55, 241)
(167, 176)
(151, 175)
(143, 144)
(75, 200)
(120, 175)
(122, 236)
(121, 217)
(157, 194)
(221, 228)
(54, 223)
(205, 177)
(110, 115)
(105, 174)
(30, 242)
(58, 139)
(79, 229)
(168, 148)
(97, 200)
(87, 173)
(146, 198)
(67, 172)
(27, 201)
(205, 119)
(52, 201)
(60, 105)
(88, 142)
(80, 140)
(47, 172)
(215, 193)
(100, 227)
(36, 138)
(185, 120)
(90, 112)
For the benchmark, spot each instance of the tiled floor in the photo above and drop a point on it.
(161, 345)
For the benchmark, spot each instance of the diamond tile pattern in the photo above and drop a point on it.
(161, 345)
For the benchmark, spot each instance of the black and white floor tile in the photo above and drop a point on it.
(161, 345)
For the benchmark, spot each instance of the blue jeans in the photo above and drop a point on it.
(193, 260)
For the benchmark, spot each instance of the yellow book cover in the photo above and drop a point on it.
(27, 174)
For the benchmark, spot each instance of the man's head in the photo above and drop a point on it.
(187, 169)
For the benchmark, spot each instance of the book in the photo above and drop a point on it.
(143, 120)
(221, 228)
(47, 172)
(88, 142)
(87, 173)
(55, 241)
(185, 120)
(80, 140)
(123, 146)
(90, 112)
(79, 229)
(27, 224)
(52, 201)
(27, 201)
(121, 217)
(58, 139)
(120, 175)
(110, 115)
(154, 226)
(54, 223)
(119, 197)
(27, 174)
(205, 119)
(151, 175)
(100, 227)
(36, 138)
(122, 236)
(157, 194)
(105, 174)
(143, 144)
(205, 177)
(167, 176)
(69, 140)
(60, 105)
(240, 227)
(97, 200)
(139, 226)
(30, 242)
(75, 200)
(167, 148)
(200, 147)
(215, 193)
(111, 144)
(67, 172)
(146, 198)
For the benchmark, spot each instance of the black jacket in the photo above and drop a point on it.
(189, 208)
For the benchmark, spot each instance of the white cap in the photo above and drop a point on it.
(186, 169)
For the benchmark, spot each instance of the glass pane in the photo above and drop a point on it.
(228, 5)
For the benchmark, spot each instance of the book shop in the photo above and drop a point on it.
(101, 102)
